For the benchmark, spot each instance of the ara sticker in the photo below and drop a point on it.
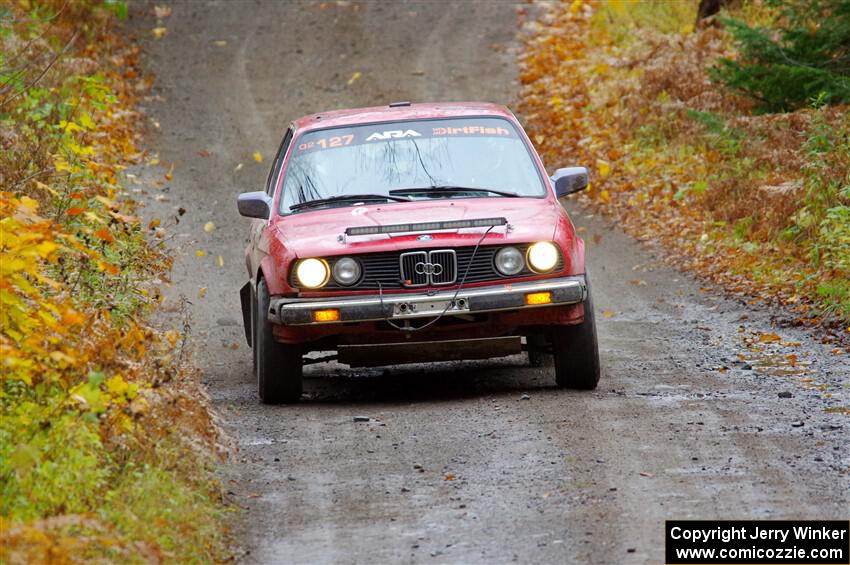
(393, 134)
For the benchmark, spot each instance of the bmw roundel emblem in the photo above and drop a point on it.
(424, 238)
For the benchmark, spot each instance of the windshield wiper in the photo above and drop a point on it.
(452, 189)
(346, 198)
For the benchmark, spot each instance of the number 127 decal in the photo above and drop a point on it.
(325, 142)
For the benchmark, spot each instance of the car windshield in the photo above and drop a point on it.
(457, 158)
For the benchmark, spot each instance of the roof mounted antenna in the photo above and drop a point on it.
(399, 104)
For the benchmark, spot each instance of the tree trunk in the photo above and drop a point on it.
(709, 8)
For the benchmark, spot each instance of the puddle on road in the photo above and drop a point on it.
(698, 469)
(256, 441)
(779, 364)
(768, 354)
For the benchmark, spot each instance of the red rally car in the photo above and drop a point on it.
(410, 233)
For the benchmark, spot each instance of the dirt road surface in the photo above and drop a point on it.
(687, 422)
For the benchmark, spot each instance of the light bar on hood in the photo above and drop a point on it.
(427, 226)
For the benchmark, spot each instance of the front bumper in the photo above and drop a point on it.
(496, 298)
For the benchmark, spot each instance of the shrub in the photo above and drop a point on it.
(106, 444)
(805, 56)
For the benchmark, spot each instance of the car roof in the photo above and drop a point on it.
(401, 112)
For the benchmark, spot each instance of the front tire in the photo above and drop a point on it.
(576, 351)
(277, 366)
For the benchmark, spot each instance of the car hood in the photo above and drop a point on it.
(321, 232)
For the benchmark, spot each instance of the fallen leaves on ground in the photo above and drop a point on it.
(680, 162)
(162, 12)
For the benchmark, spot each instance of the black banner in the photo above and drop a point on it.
(761, 542)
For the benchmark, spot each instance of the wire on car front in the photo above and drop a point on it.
(448, 305)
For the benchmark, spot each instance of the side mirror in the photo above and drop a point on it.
(254, 204)
(569, 180)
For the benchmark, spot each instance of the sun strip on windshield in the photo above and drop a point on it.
(427, 226)
(364, 134)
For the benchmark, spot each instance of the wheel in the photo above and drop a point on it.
(277, 366)
(576, 351)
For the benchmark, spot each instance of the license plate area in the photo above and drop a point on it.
(430, 308)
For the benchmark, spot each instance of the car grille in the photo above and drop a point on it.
(385, 270)
(423, 268)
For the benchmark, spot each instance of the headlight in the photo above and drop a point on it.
(509, 261)
(543, 256)
(346, 271)
(312, 273)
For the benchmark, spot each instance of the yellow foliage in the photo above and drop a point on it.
(622, 17)
(62, 165)
(603, 168)
(116, 385)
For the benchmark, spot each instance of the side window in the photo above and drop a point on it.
(278, 161)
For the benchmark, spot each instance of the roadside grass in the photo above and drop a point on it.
(617, 19)
(758, 203)
(107, 444)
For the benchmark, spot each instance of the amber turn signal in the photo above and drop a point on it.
(536, 298)
(330, 315)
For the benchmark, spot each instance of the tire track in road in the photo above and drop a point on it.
(243, 100)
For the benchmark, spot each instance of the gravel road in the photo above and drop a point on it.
(477, 461)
